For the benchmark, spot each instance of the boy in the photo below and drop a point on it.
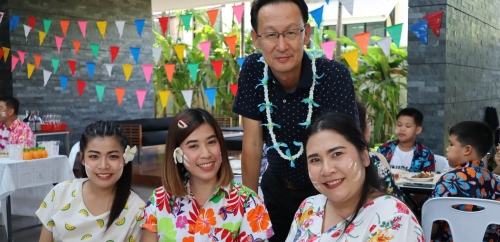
(405, 152)
(469, 141)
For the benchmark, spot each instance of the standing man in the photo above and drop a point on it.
(12, 129)
(280, 92)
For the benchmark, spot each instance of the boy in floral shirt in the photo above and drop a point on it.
(12, 129)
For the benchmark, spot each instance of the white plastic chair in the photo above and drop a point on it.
(461, 230)
(72, 154)
(441, 162)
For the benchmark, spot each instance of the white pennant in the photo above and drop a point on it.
(188, 96)
(27, 30)
(109, 68)
(1, 16)
(46, 76)
(348, 5)
(156, 54)
(385, 45)
(119, 26)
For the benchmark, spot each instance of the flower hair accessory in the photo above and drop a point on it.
(178, 155)
(129, 154)
(181, 124)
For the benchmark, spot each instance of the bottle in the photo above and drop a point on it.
(38, 122)
(27, 117)
(31, 122)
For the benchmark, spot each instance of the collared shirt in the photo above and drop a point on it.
(334, 92)
(423, 158)
(18, 133)
(471, 179)
(232, 213)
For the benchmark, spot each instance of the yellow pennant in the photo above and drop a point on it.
(352, 59)
(6, 52)
(101, 25)
(179, 50)
(164, 97)
(41, 36)
(127, 70)
(31, 67)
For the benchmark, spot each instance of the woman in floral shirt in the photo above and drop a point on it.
(198, 200)
(352, 205)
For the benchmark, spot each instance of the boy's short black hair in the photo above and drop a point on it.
(417, 116)
(11, 102)
(474, 133)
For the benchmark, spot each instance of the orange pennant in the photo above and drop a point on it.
(231, 43)
(212, 16)
(120, 92)
(38, 58)
(64, 26)
(169, 69)
(363, 40)
(76, 44)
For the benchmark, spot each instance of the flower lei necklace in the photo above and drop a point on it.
(268, 107)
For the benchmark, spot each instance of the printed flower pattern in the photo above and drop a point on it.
(18, 133)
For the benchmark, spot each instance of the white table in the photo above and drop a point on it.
(18, 174)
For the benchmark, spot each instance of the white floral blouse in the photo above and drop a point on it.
(383, 219)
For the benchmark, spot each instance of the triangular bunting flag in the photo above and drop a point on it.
(46, 25)
(38, 59)
(21, 54)
(72, 66)
(329, 48)
(127, 70)
(120, 25)
(188, 97)
(179, 50)
(420, 30)
(31, 22)
(109, 68)
(90, 69)
(27, 30)
(59, 41)
(139, 25)
(317, 15)
(231, 43)
(100, 91)
(352, 59)
(64, 26)
(6, 52)
(434, 21)
(163, 24)
(193, 70)
(46, 76)
(217, 65)
(157, 54)
(14, 61)
(135, 53)
(76, 46)
(205, 48)
(327, 2)
(362, 40)
(2, 51)
(169, 70)
(120, 92)
(31, 68)
(395, 33)
(101, 25)
(348, 5)
(55, 64)
(14, 21)
(385, 45)
(41, 37)
(147, 69)
(141, 94)
(83, 28)
(234, 89)
(164, 97)
(210, 92)
(212, 16)
(81, 87)
(240, 61)
(238, 12)
(114, 51)
(95, 50)
(186, 20)
(64, 82)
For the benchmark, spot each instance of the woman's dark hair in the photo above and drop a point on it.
(102, 129)
(258, 4)
(348, 127)
(362, 115)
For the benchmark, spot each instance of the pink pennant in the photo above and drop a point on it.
(328, 47)
(83, 27)
(15, 59)
(59, 41)
(205, 47)
(238, 12)
(147, 69)
(21, 56)
(141, 94)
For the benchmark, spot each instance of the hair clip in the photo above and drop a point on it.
(181, 124)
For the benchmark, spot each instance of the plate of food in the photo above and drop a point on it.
(420, 177)
(398, 173)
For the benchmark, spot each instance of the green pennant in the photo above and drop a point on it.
(100, 91)
(95, 49)
(46, 25)
(395, 33)
(55, 64)
(193, 70)
(186, 20)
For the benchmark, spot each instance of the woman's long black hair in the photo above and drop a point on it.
(347, 127)
(102, 129)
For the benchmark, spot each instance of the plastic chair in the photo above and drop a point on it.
(441, 163)
(72, 154)
(462, 231)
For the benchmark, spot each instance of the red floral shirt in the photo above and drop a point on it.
(18, 133)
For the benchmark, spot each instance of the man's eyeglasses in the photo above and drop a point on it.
(272, 37)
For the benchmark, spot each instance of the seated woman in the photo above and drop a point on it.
(352, 204)
(101, 207)
(199, 201)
